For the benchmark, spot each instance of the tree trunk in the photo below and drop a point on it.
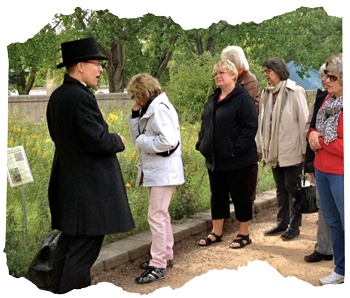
(31, 81)
(211, 40)
(164, 60)
(199, 44)
(22, 86)
(115, 68)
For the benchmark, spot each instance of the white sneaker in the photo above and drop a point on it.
(332, 279)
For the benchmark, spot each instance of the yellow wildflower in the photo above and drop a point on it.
(128, 185)
(46, 153)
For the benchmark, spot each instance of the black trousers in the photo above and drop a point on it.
(74, 257)
(234, 183)
(253, 180)
(287, 180)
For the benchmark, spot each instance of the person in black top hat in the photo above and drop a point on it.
(87, 194)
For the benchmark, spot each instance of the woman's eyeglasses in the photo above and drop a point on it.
(267, 70)
(219, 73)
(332, 78)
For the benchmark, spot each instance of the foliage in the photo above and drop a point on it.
(190, 84)
(153, 43)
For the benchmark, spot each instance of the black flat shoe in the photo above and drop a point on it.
(208, 241)
(275, 231)
(316, 257)
(288, 235)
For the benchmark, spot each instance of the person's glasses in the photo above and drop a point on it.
(267, 70)
(98, 64)
(219, 73)
(332, 78)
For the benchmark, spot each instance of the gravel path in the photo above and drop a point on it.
(191, 260)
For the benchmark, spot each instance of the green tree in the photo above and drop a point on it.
(151, 43)
(32, 59)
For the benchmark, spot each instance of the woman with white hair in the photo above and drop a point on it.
(235, 54)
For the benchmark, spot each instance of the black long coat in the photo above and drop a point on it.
(227, 135)
(87, 193)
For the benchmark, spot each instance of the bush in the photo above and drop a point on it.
(190, 85)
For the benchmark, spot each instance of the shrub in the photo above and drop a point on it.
(190, 85)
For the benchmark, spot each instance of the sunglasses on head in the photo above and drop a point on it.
(332, 78)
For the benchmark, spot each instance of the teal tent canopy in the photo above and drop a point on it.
(312, 82)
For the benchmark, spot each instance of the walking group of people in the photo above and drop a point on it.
(240, 127)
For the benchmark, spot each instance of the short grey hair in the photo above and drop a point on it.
(278, 66)
(335, 64)
(322, 68)
(236, 55)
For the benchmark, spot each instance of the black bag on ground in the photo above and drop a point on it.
(304, 200)
(40, 270)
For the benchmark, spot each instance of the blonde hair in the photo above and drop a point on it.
(143, 86)
(228, 66)
(236, 55)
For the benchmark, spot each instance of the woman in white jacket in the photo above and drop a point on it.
(155, 132)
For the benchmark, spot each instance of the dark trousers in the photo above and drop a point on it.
(287, 180)
(234, 183)
(74, 258)
(253, 180)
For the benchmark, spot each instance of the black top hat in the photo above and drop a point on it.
(78, 51)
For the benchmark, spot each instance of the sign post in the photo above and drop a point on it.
(19, 174)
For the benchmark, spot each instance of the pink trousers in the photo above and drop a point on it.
(160, 225)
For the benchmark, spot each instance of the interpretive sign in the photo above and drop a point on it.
(18, 169)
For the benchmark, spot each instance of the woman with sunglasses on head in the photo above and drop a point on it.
(324, 247)
(329, 164)
(281, 141)
(226, 140)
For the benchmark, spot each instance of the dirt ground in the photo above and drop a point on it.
(191, 260)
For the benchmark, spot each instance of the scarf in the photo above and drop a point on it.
(327, 118)
(269, 129)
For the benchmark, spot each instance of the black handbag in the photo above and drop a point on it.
(304, 200)
(40, 270)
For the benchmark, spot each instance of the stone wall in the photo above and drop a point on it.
(34, 106)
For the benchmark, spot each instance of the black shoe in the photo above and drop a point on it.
(316, 257)
(145, 265)
(289, 235)
(151, 274)
(275, 231)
